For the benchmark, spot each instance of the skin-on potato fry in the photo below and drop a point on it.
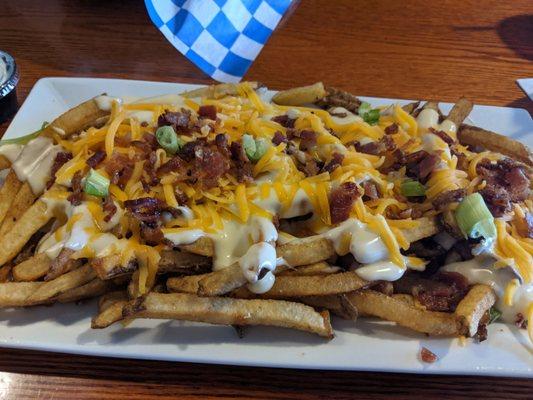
(183, 262)
(32, 269)
(63, 283)
(476, 303)
(16, 294)
(474, 136)
(30, 222)
(74, 120)
(217, 91)
(227, 311)
(300, 95)
(460, 111)
(62, 264)
(22, 201)
(94, 288)
(109, 315)
(377, 304)
(320, 268)
(337, 304)
(111, 266)
(11, 185)
(5, 271)
(106, 300)
(4, 162)
(409, 108)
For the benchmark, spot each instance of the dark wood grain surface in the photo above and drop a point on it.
(406, 49)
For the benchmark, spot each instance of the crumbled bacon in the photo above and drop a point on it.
(109, 207)
(428, 356)
(209, 165)
(179, 120)
(153, 235)
(221, 141)
(279, 138)
(443, 135)
(148, 209)
(209, 112)
(188, 150)
(151, 140)
(77, 190)
(175, 164)
(284, 120)
(427, 165)
(61, 159)
(120, 168)
(307, 140)
(368, 148)
(149, 168)
(445, 198)
(96, 158)
(520, 322)
(371, 190)
(340, 98)
(242, 165)
(341, 201)
(524, 226)
(334, 163)
(391, 129)
(384, 287)
(123, 140)
(311, 167)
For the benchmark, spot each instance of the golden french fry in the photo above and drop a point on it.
(22, 201)
(62, 264)
(63, 283)
(32, 269)
(339, 98)
(227, 311)
(109, 298)
(16, 294)
(319, 268)
(5, 272)
(185, 284)
(217, 91)
(30, 222)
(76, 119)
(111, 313)
(474, 136)
(337, 304)
(473, 306)
(221, 282)
(94, 288)
(460, 111)
(203, 247)
(7, 193)
(411, 107)
(183, 262)
(300, 95)
(111, 266)
(377, 304)
(4, 162)
(426, 227)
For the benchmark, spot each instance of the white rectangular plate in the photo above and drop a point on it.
(367, 345)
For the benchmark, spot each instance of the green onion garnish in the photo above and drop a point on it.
(494, 314)
(254, 149)
(96, 184)
(474, 218)
(413, 189)
(369, 115)
(168, 139)
(26, 138)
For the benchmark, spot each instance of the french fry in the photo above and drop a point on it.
(9, 188)
(32, 269)
(411, 107)
(4, 162)
(94, 288)
(74, 120)
(110, 298)
(460, 111)
(300, 95)
(113, 265)
(22, 201)
(183, 262)
(473, 306)
(221, 282)
(227, 311)
(110, 310)
(203, 247)
(62, 264)
(320, 268)
(337, 304)
(63, 283)
(5, 271)
(217, 91)
(426, 227)
(474, 136)
(16, 294)
(339, 98)
(30, 222)
(377, 304)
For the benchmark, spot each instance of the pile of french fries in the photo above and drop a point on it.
(305, 291)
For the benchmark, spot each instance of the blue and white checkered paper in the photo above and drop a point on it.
(222, 37)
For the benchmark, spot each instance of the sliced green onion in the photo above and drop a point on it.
(474, 218)
(168, 139)
(494, 315)
(45, 124)
(96, 184)
(249, 146)
(24, 139)
(372, 117)
(260, 149)
(364, 108)
(413, 189)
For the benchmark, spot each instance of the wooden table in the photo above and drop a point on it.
(438, 50)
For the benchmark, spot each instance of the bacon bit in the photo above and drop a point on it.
(279, 138)
(153, 235)
(109, 207)
(341, 201)
(120, 168)
(391, 129)
(181, 197)
(221, 141)
(123, 141)
(284, 121)
(242, 166)
(188, 150)
(96, 158)
(428, 356)
(175, 164)
(310, 168)
(149, 168)
(61, 159)
(145, 185)
(179, 120)
(371, 190)
(384, 287)
(209, 112)
(367, 148)
(144, 124)
(334, 163)
(520, 321)
(524, 226)
(151, 140)
(427, 165)
(77, 190)
(149, 209)
(445, 198)
(307, 140)
(443, 135)
(209, 165)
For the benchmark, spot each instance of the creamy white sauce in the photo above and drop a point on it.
(429, 118)
(480, 270)
(350, 117)
(34, 163)
(259, 256)
(11, 151)
(174, 99)
(141, 115)
(186, 236)
(105, 102)
(382, 270)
